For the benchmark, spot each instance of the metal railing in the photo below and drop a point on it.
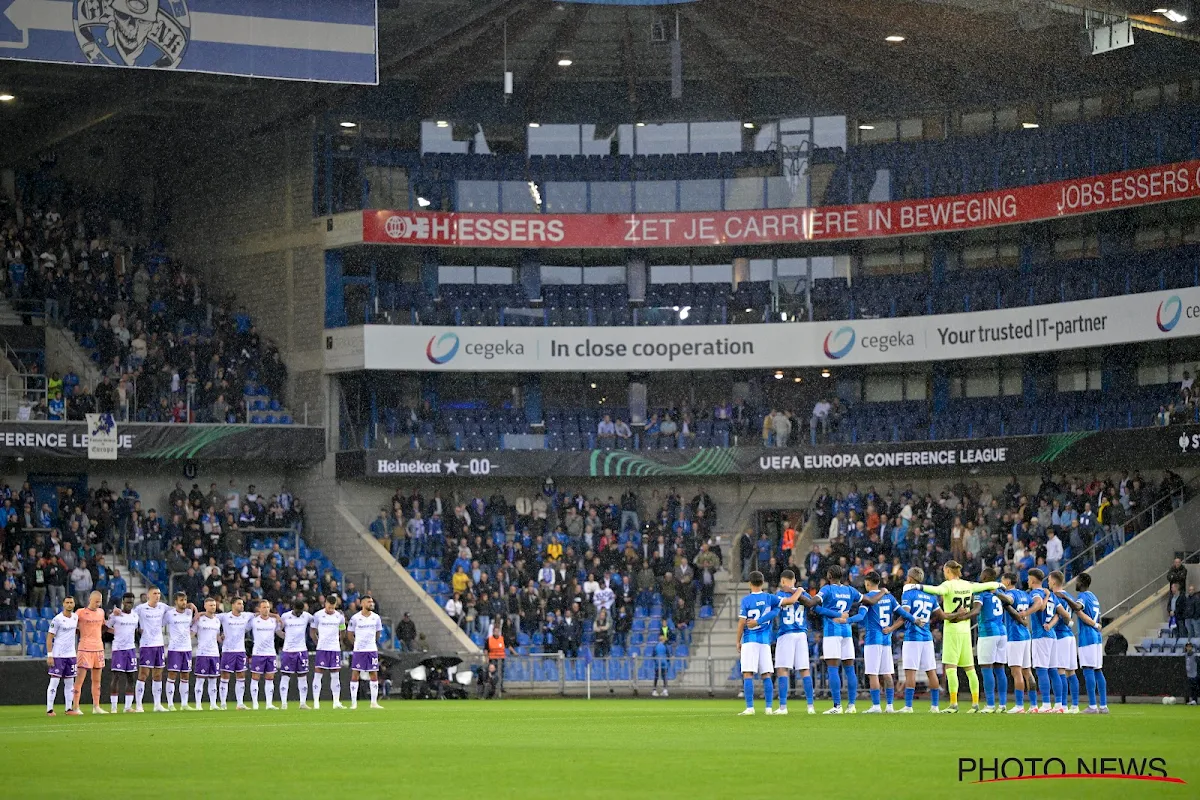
(21, 634)
(1154, 513)
(1144, 592)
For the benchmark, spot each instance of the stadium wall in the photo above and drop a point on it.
(241, 213)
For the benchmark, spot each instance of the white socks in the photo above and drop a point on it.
(374, 692)
(302, 686)
(69, 692)
(139, 691)
(335, 686)
(170, 692)
(183, 691)
(224, 689)
(316, 687)
(239, 691)
(128, 700)
(284, 683)
(156, 689)
(212, 692)
(112, 698)
(254, 691)
(269, 686)
(353, 693)
(52, 692)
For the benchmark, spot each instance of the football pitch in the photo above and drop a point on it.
(578, 749)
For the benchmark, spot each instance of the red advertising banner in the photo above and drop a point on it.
(781, 225)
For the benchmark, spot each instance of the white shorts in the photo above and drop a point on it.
(878, 660)
(1043, 652)
(756, 658)
(837, 647)
(1091, 656)
(918, 656)
(1020, 654)
(791, 651)
(1066, 654)
(991, 650)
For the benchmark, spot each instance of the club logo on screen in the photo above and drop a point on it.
(133, 33)
(1169, 312)
(446, 346)
(840, 342)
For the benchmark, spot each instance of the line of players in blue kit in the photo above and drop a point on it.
(1028, 631)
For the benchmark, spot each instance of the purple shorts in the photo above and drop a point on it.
(294, 663)
(329, 659)
(153, 657)
(61, 668)
(179, 661)
(124, 661)
(206, 666)
(364, 662)
(262, 664)
(233, 662)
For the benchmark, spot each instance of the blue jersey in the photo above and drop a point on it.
(838, 598)
(762, 608)
(792, 619)
(1017, 631)
(991, 618)
(1091, 607)
(1047, 614)
(920, 605)
(1062, 628)
(880, 616)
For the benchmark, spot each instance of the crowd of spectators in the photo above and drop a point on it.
(199, 542)
(558, 561)
(1016, 529)
(167, 349)
(1185, 406)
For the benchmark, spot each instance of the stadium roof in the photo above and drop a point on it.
(744, 59)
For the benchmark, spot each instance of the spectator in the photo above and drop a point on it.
(668, 430)
(1192, 605)
(1177, 573)
(1116, 645)
(602, 633)
(606, 433)
(9, 599)
(781, 428)
(623, 432)
(1054, 550)
(81, 584)
(1175, 609)
(1193, 677)
(454, 609)
(820, 417)
(406, 632)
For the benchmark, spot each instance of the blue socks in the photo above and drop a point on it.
(1102, 688)
(989, 686)
(908, 697)
(1089, 681)
(933, 697)
(874, 697)
(808, 689)
(1060, 687)
(1073, 689)
(1019, 694)
(890, 694)
(1002, 686)
(783, 681)
(851, 682)
(768, 690)
(1043, 690)
(748, 689)
(835, 685)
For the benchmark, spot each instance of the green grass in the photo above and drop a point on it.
(574, 749)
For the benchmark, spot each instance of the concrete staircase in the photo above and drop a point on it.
(356, 552)
(9, 316)
(135, 582)
(714, 641)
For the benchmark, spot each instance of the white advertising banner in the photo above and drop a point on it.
(102, 439)
(1153, 316)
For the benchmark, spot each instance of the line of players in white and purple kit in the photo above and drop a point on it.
(1027, 631)
(218, 657)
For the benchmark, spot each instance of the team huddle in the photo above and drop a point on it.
(210, 646)
(1026, 631)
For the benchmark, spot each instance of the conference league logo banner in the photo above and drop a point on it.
(1144, 448)
(101, 438)
(102, 441)
(1153, 316)
(313, 40)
